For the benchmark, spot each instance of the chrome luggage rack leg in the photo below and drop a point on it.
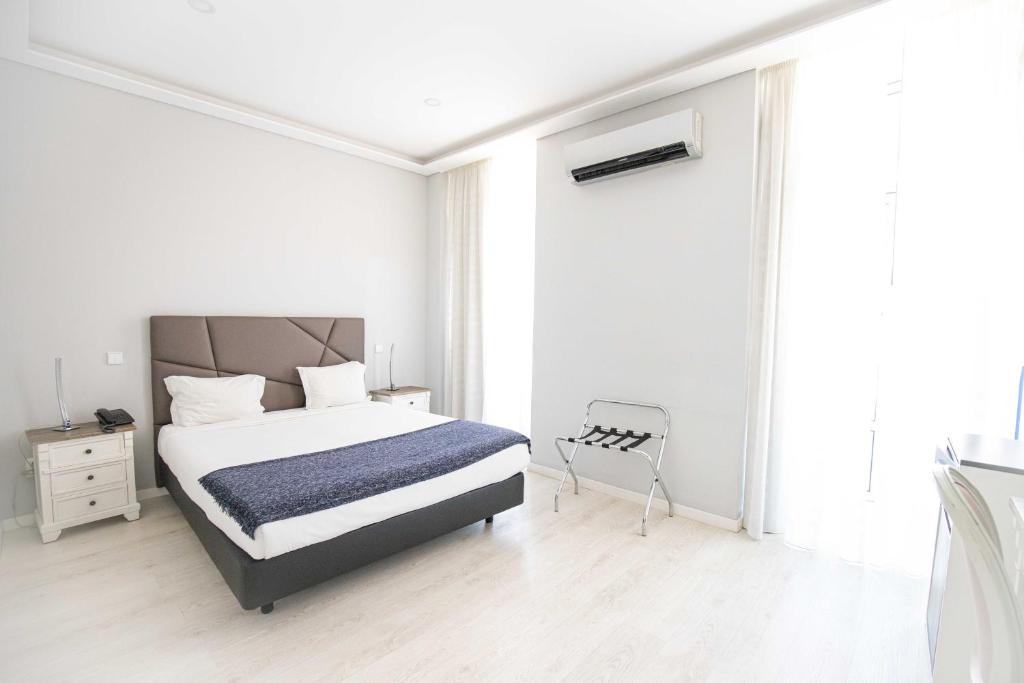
(605, 440)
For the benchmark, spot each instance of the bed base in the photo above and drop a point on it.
(258, 583)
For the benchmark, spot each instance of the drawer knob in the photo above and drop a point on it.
(92, 502)
(90, 477)
(88, 451)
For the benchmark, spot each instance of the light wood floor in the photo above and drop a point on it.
(577, 595)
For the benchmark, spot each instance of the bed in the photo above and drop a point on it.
(283, 556)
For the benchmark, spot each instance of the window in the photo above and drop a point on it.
(507, 270)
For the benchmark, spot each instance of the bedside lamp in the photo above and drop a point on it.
(65, 418)
(391, 362)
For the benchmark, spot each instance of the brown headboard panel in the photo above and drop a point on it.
(222, 346)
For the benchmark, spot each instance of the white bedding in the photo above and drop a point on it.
(192, 452)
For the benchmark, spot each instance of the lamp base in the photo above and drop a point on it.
(65, 428)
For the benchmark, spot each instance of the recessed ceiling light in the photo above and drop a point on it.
(202, 6)
(432, 102)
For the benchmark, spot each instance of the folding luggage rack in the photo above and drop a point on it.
(625, 441)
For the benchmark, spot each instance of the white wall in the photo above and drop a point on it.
(114, 208)
(641, 294)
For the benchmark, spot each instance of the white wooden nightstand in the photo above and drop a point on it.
(82, 476)
(415, 398)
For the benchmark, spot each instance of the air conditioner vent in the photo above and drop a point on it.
(675, 137)
(639, 160)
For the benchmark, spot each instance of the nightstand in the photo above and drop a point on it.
(82, 476)
(414, 398)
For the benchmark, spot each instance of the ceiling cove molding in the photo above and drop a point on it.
(788, 44)
(16, 45)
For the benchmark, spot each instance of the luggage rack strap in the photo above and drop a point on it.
(620, 431)
(639, 438)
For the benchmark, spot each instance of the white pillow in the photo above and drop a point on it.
(202, 400)
(334, 385)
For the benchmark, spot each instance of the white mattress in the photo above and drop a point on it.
(192, 452)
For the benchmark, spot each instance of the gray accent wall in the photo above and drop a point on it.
(641, 294)
(114, 208)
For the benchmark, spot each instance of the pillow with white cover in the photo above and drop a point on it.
(334, 385)
(204, 400)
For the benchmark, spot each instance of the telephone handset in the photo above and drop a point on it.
(109, 419)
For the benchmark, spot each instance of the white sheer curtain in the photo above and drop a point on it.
(775, 85)
(835, 278)
(488, 268)
(900, 301)
(507, 258)
(960, 247)
(465, 209)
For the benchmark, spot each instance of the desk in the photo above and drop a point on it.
(996, 467)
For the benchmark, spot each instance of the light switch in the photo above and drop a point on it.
(379, 348)
(115, 358)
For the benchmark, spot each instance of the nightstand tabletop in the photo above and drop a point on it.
(400, 391)
(85, 430)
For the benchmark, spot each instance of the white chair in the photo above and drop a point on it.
(998, 655)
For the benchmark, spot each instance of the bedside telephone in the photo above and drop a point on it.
(109, 419)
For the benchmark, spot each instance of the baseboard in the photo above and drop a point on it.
(146, 494)
(29, 520)
(12, 523)
(709, 518)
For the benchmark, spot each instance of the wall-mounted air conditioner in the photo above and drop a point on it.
(664, 140)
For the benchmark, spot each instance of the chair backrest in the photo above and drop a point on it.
(999, 643)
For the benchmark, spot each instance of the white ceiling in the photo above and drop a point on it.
(361, 70)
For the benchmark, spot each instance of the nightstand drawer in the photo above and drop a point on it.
(69, 508)
(101, 475)
(85, 451)
(413, 401)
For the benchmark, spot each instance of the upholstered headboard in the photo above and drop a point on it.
(223, 346)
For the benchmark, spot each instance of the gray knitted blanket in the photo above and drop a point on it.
(268, 491)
